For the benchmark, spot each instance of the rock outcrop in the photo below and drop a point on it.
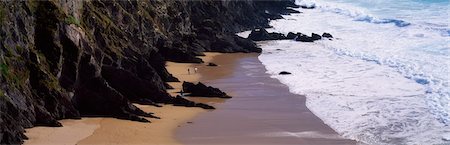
(327, 35)
(306, 38)
(284, 73)
(68, 59)
(201, 90)
(261, 34)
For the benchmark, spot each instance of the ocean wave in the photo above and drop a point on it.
(363, 99)
(438, 97)
(356, 14)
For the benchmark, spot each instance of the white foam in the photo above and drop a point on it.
(303, 134)
(360, 100)
(378, 83)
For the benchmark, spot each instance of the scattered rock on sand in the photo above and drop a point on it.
(284, 73)
(327, 35)
(308, 7)
(180, 101)
(201, 90)
(211, 64)
(305, 38)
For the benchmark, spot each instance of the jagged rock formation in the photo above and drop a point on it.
(305, 38)
(261, 34)
(201, 90)
(66, 59)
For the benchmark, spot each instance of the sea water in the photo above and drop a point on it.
(383, 79)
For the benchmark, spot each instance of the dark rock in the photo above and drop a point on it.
(180, 101)
(315, 36)
(284, 73)
(292, 11)
(261, 35)
(201, 90)
(327, 35)
(305, 38)
(211, 64)
(273, 16)
(277, 36)
(291, 35)
(308, 7)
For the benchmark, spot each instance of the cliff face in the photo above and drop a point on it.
(66, 59)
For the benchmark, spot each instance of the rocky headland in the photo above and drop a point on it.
(68, 59)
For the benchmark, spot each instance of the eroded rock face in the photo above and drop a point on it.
(67, 59)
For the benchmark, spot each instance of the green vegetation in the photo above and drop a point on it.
(72, 20)
(13, 72)
(4, 69)
(2, 14)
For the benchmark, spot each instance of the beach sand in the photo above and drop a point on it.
(110, 131)
(262, 111)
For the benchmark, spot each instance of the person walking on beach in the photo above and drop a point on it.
(189, 71)
(195, 69)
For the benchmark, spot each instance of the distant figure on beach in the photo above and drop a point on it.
(195, 70)
(189, 71)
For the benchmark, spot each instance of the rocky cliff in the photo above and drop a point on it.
(67, 58)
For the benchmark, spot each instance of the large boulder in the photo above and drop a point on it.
(305, 38)
(262, 34)
(201, 90)
(259, 35)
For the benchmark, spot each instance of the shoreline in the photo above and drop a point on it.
(262, 111)
(101, 130)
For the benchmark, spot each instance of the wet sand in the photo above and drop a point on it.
(261, 112)
(111, 131)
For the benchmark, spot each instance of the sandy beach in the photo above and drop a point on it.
(111, 131)
(263, 111)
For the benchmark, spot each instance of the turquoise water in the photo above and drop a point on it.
(385, 77)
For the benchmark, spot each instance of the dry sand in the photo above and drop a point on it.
(110, 131)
